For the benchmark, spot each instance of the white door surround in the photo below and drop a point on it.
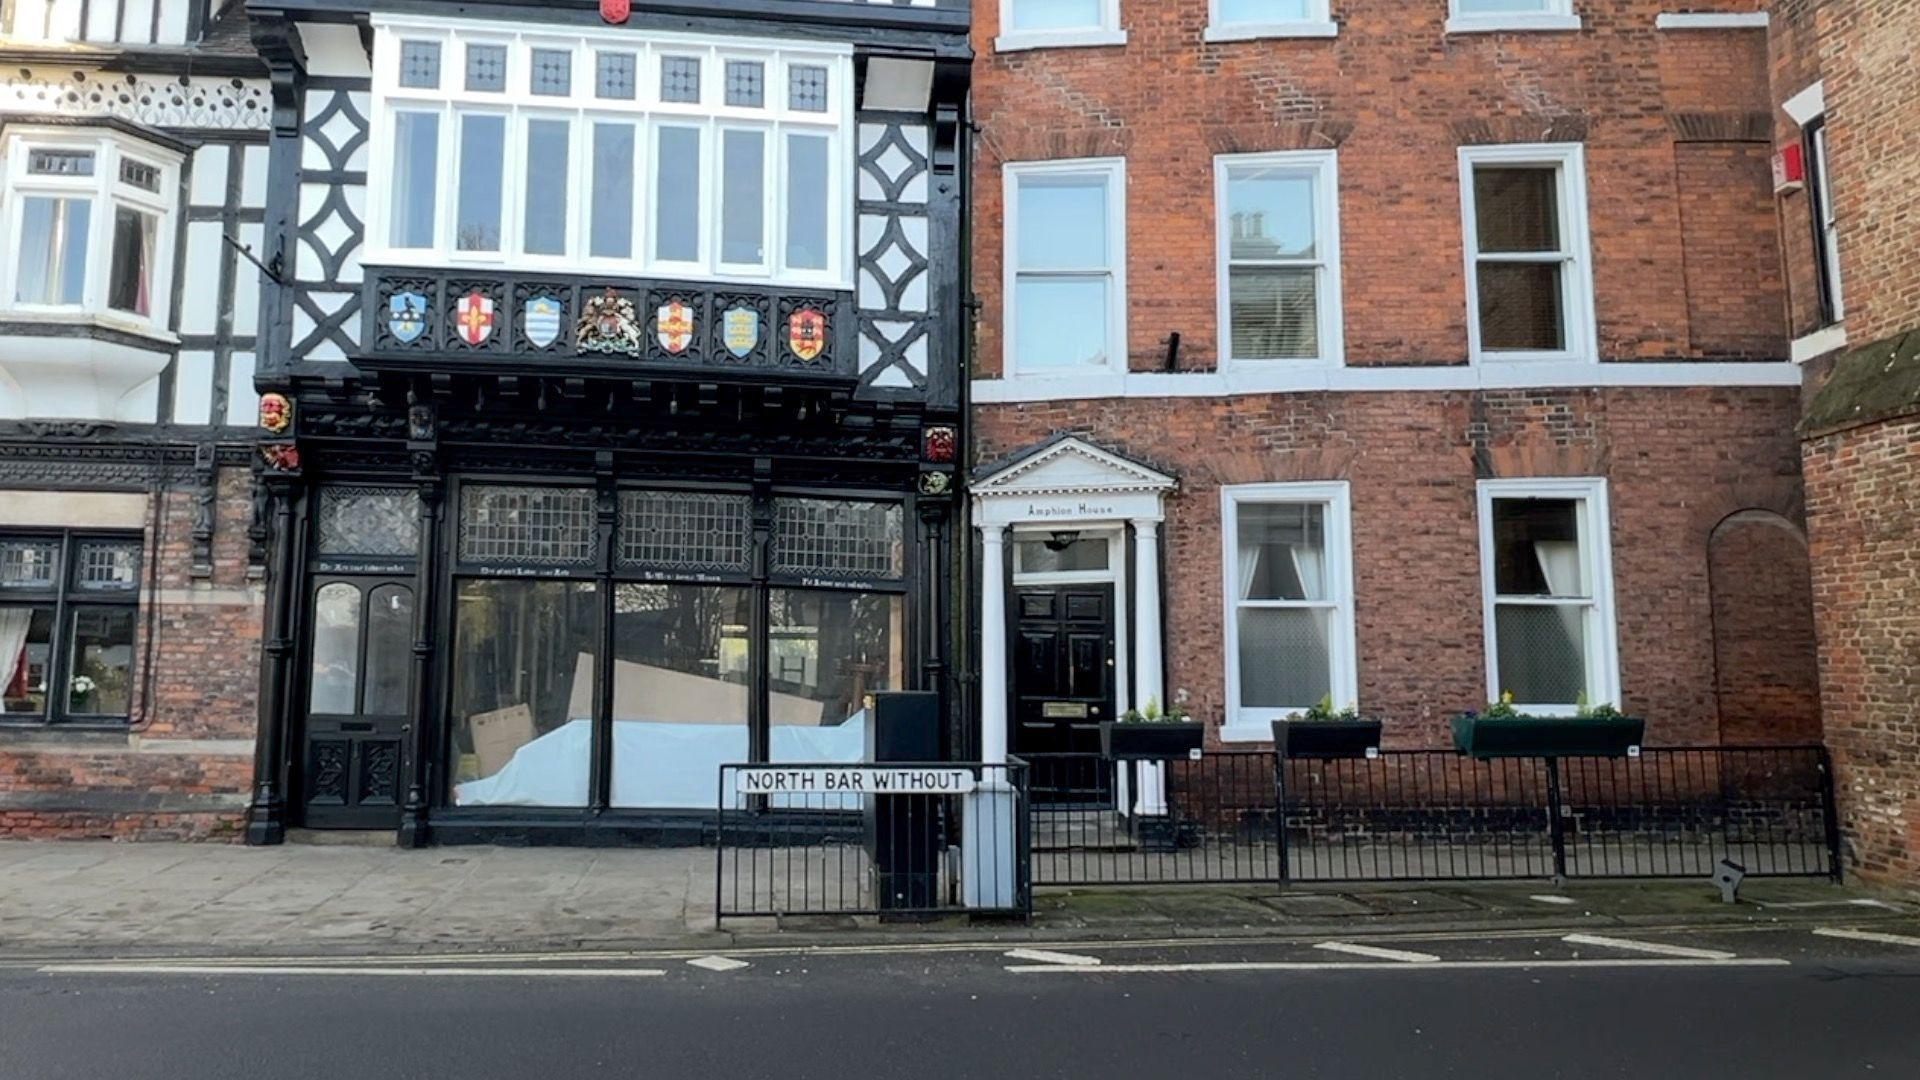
(1068, 484)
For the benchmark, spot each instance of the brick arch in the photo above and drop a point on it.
(1760, 592)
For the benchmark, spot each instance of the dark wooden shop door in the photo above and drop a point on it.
(359, 664)
(1063, 668)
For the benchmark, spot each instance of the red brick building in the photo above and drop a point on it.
(1846, 116)
(1395, 353)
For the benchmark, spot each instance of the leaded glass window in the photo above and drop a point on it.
(807, 88)
(836, 538)
(686, 530)
(420, 64)
(680, 79)
(487, 68)
(368, 521)
(106, 565)
(552, 72)
(527, 525)
(746, 83)
(28, 564)
(615, 80)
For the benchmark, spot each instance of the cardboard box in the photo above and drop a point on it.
(497, 734)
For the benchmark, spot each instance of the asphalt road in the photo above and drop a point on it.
(1766, 1004)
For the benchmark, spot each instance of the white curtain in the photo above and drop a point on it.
(1249, 567)
(1560, 565)
(14, 623)
(1310, 564)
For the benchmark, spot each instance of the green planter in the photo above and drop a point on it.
(1546, 736)
(1149, 740)
(1326, 738)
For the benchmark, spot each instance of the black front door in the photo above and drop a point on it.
(1062, 668)
(359, 663)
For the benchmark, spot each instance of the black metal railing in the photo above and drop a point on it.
(902, 853)
(1405, 815)
(1205, 819)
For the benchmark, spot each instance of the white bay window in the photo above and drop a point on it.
(87, 228)
(1289, 602)
(655, 154)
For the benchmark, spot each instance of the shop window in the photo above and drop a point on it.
(623, 152)
(1278, 217)
(1066, 259)
(1290, 603)
(681, 680)
(69, 606)
(525, 657)
(1549, 596)
(1530, 280)
(88, 225)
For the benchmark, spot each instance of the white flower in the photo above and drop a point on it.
(84, 684)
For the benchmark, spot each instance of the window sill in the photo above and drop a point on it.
(1494, 24)
(1819, 343)
(1020, 41)
(1246, 732)
(1257, 31)
(74, 323)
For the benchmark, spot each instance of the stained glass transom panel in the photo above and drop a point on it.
(28, 564)
(746, 84)
(680, 79)
(552, 72)
(369, 521)
(686, 530)
(615, 79)
(106, 565)
(487, 67)
(835, 538)
(538, 526)
(807, 88)
(420, 64)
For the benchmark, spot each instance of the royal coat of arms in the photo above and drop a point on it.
(673, 325)
(740, 330)
(406, 316)
(474, 317)
(540, 318)
(807, 333)
(609, 324)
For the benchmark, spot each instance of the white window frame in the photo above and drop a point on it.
(1596, 552)
(1114, 172)
(105, 192)
(1324, 164)
(648, 115)
(1108, 32)
(1249, 724)
(1569, 160)
(1318, 24)
(1824, 222)
(1554, 15)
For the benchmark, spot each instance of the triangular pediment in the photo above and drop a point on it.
(1069, 466)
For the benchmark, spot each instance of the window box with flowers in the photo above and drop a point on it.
(1502, 730)
(1151, 734)
(1324, 732)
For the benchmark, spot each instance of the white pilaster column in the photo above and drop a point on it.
(993, 644)
(1146, 607)
(1150, 795)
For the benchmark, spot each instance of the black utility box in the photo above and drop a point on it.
(904, 831)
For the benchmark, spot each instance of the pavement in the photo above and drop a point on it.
(1806, 999)
(98, 899)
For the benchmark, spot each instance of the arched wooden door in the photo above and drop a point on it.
(359, 665)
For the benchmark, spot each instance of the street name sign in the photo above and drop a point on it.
(854, 780)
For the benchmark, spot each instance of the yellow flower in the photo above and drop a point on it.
(1506, 697)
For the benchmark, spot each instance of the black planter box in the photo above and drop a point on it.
(1326, 738)
(1547, 736)
(1149, 741)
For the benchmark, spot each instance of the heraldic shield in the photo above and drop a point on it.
(406, 316)
(673, 325)
(807, 333)
(474, 317)
(740, 330)
(540, 319)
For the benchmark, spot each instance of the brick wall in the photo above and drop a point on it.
(1685, 246)
(1679, 463)
(184, 768)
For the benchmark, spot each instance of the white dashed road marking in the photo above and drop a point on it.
(718, 963)
(1043, 956)
(428, 972)
(1361, 965)
(1869, 935)
(1378, 953)
(1658, 948)
(1549, 898)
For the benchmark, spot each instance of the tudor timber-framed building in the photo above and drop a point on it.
(612, 403)
(133, 137)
